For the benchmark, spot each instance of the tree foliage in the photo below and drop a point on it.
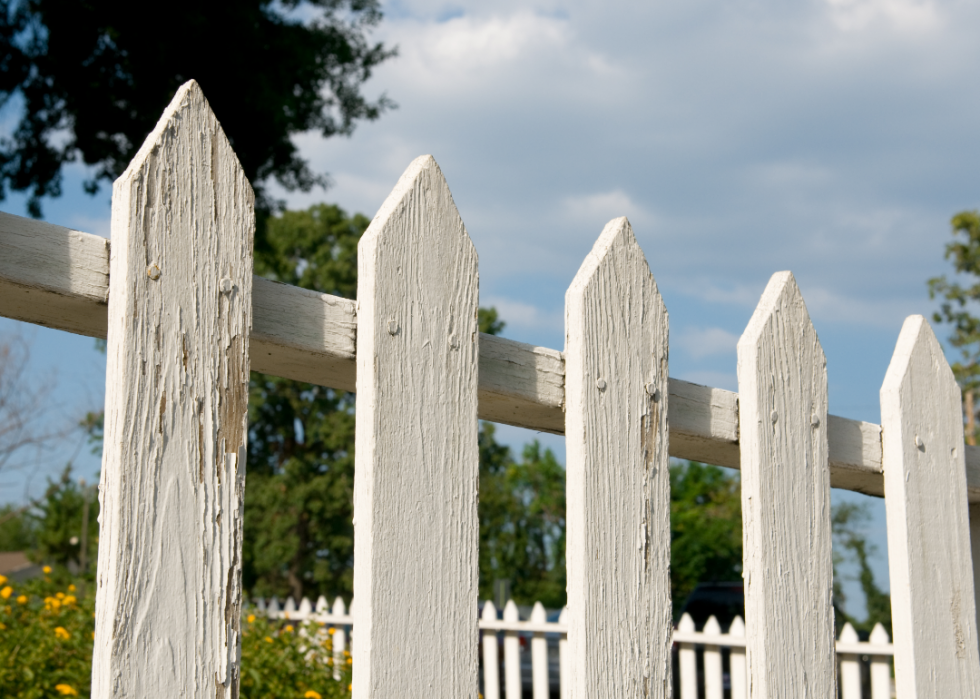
(300, 485)
(958, 306)
(92, 78)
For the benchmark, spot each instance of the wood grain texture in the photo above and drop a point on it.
(618, 477)
(975, 550)
(417, 462)
(787, 564)
(306, 336)
(173, 470)
(929, 558)
(53, 276)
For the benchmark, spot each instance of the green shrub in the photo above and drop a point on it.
(47, 627)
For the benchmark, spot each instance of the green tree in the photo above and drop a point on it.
(850, 543)
(300, 484)
(60, 524)
(522, 521)
(705, 527)
(92, 78)
(957, 309)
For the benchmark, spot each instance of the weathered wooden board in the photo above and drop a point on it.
(416, 531)
(617, 474)
(975, 549)
(303, 335)
(173, 470)
(929, 557)
(787, 563)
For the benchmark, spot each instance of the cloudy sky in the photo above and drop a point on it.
(833, 138)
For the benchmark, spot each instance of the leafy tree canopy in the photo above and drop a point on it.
(92, 79)
(958, 305)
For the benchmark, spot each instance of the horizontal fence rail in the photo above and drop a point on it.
(710, 644)
(59, 278)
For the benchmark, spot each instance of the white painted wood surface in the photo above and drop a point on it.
(339, 638)
(881, 671)
(539, 655)
(975, 549)
(850, 666)
(788, 570)
(563, 658)
(929, 557)
(713, 686)
(617, 474)
(687, 660)
(173, 473)
(512, 654)
(736, 661)
(491, 659)
(417, 462)
(306, 336)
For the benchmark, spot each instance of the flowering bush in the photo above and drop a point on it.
(46, 632)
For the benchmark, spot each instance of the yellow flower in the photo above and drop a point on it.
(350, 688)
(62, 632)
(47, 571)
(332, 631)
(93, 635)
(66, 689)
(3, 579)
(251, 618)
(71, 588)
(70, 599)
(22, 599)
(6, 592)
(288, 629)
(60, 595)
(310, 694)
(268, 639)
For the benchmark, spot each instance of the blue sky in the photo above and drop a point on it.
(833, 138)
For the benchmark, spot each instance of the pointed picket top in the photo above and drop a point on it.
(618, 478)
(563, 616)
(274, 605)
(489, 611)
(338, 606)
(305, 607)
(785, 472)
(848, 634)
(879, 636)
(929, 548)
(321, 604)
(260, 605)
(510, 611)
(421, 192)
(711, 627)
(737, 628)
(538, 614)
(686, 624)
(416, 527)
(179, 319)
(290, 605)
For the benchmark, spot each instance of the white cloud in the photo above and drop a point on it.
(523, 317)
(908, 15)
(600, 208)
(705, 342)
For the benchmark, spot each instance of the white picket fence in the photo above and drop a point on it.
(709, 642)
(185, 320)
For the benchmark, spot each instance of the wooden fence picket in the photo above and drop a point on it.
(975, 548)
(173, 471)
(539, 655)
(512, 654)
(687, 660)
(491, 652)
(618, 478)
(788, 569)
(850, 666)
(339, 639)
(713, 684)
(736, 661)
(881, 672)
(929, 552)
(416, 456)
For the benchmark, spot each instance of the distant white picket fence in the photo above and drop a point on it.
(709, 642)
(185, 320)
